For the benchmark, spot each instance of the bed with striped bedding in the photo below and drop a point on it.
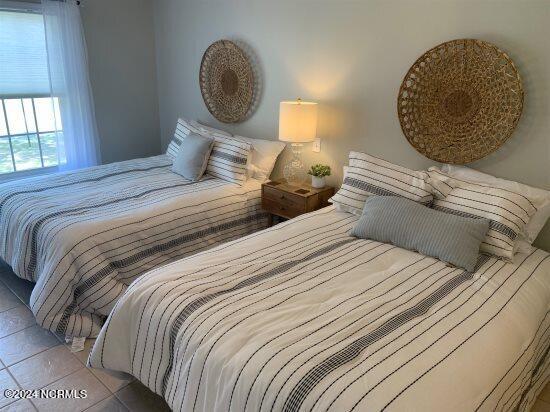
(84, 236)
(304, 317)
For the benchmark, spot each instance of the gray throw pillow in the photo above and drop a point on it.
(192, 156)
(410, 225)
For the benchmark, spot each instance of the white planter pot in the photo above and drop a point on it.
(317, 182)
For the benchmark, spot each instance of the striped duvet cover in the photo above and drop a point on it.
(84, 236)
(304, 317)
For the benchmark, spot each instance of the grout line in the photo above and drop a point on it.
(13, 333)
(17, 383)
(16, 295)
(28, 357)
(38, 353)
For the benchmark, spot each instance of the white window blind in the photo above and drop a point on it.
(23, 57)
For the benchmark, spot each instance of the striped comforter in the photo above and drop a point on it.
(304, 317)
(84, 236)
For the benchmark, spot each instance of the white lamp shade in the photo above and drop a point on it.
(297, 122)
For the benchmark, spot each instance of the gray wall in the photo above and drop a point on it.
(350, 56)
(121, 51)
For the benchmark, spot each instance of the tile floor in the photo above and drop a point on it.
(33, 358)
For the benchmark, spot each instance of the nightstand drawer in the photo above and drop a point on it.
(288, 199)
(282, 199)
(278, 208)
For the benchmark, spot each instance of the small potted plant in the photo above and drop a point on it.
(318, 173)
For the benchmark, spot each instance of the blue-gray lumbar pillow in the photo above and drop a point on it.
(410, 225)
(192, 157)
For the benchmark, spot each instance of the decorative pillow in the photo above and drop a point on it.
(228, 159)
(407, 224)
(367, 176)
(192, 157)
(264, 152)
(508, 212)
(264, 156)
(538, 197)
(183, 129)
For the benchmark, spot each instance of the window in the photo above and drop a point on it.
(31, 132)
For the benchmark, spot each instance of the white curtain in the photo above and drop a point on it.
(69, 78)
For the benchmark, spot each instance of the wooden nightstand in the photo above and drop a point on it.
(285, 200)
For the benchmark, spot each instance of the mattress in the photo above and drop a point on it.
(84, 236)
(304, 317)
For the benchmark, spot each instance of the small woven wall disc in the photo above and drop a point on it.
(460, 101)
(227, 81)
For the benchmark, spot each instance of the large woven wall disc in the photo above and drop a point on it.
(460, 101)
(226, 81)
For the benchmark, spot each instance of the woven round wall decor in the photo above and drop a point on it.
(227, 81)
(460, 101)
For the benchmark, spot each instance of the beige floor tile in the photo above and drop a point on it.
(114, 381)
(7, 299)
(22, 405)
(83, 379)
(15, 319)
(6, 382)
(138, 398)
(111, 404)
(44, 368)
(24, 344)
(541, 406)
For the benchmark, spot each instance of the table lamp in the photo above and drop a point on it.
(297, 125)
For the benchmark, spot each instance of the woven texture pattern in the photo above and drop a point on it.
(407, 224)
(227, 81)
(460, 101)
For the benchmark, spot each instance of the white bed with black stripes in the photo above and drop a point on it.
(84, 236)
(304, 317)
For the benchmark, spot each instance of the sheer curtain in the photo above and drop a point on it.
(69, 78)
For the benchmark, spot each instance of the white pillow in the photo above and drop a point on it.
(339, 206)
(210, 130)
(540, 197)
(184, 128)
(264, 152)
(264, 156)
(370, 176)
(229, 159)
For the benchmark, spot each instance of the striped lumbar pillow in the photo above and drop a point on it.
(407, 224)
(229, 159)
(369, 176)
(185, 128)
(509, 212)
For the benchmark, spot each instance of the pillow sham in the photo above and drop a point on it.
(183, 129)
(210, 130)
(264, 152)
(410, 225)
(192, 157)
(264, 156)
(508, 212)
(367, 176)
(228, 159)
(538, 197)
